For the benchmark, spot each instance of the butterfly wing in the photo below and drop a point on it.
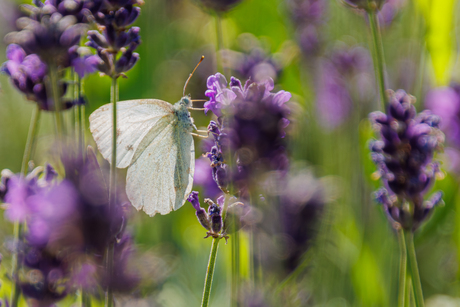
(160, 180)
(139, 123)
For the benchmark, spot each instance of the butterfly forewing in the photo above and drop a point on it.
(135, 123)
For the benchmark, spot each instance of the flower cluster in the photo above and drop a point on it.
(48, 37)
(308, 16)
(404, 157)
(445, 102)
(113, 19)
(344, 77)
(251, 124)
(69, 228)
(254, 62)
(212, 220)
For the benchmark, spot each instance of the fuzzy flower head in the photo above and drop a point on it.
(251, 123)
(404, 157)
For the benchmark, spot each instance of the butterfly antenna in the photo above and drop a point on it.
(186, 82)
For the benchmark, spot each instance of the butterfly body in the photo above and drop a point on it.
(154, 142)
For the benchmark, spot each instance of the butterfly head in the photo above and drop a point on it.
(186, 101)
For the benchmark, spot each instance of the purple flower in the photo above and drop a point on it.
(308, 16)
(219, 95)
(85, 65)
(114, 17)
(445, 102)
(50, 36)
(254, 62)
(205, 179)
(333, 100)
(404, 157)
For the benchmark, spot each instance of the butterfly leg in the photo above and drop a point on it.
(196, 109)
(199, 135)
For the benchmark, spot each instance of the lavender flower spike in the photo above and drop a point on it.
(404, 157)
(200, 212)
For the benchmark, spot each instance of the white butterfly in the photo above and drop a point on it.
(155, 142)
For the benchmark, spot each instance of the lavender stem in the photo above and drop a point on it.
(112, 189)
(379, 61)
(402, 267)
(417, 285)
(33, 128)
(54, 85)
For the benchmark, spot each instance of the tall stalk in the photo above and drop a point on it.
(378, 55)
(33, 128)
(402, 267)
(54, 87)
(417, 285)
(112, 190)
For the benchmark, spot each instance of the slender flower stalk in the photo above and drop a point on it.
(379, 60)
(112, 190)
(54, 88)
(402, 267)
(17, 225)
(417, 285)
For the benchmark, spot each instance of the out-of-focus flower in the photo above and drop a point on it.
(254, 62)
(218, 6)
(50, 37)
(252, 122)
(308, 17)
(340, 83)
(445, 102)
(114, 17)
(389, 11)
(404, 157)
(203, 178)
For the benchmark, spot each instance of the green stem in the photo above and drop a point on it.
(210, 272)
(235, 264)
(33, 128)
(417, 285)
(112, 190)
(402, 267)
(379, 60)
(54, 86)
(299, 269)
(220, 46)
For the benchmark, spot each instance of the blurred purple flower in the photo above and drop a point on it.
(340, 83)
(333, 100)
(114, 17)
(445, 102)
(50, 36)
(253, 62)
(404, 157)
(252, 122)
(203, 178)
(85, 65)
(308, 16)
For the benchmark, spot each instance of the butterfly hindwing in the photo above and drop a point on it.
(161, 178)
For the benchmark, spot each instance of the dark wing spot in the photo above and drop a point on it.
(129, 147)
